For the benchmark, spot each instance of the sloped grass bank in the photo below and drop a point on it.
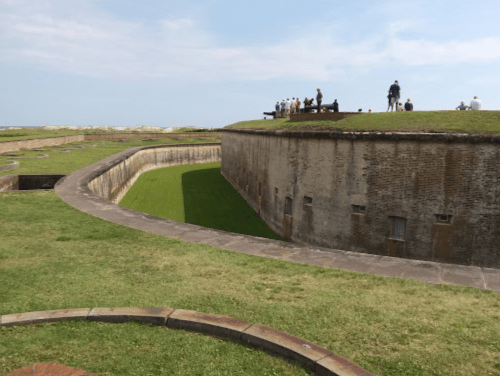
(54, 257)
(65, 163)
(196, 194)
(414, 121)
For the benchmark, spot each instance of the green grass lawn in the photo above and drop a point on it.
(61, 163)
(415, 121)
(53, 256)
(135, 349)
(196, 194)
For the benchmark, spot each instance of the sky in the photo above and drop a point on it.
(210, 63)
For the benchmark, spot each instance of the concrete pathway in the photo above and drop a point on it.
(73, 189)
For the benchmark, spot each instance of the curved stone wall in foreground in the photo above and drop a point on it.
(432, 197)
(113, 183)
(319, 360)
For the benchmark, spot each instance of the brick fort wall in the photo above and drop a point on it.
(417, 196)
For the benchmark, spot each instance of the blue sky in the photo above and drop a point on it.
(216, 62)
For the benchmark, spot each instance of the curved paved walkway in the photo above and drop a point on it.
(74, 190)
(321, 361)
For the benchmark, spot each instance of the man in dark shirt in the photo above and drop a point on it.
(319, 99)
(395, 91)
(335, 106)
(408, 105)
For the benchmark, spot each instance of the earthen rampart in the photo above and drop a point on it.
(432, 197)
(15, 145)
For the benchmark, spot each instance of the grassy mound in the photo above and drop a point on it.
(62, 163)
(196, 194)
(415, 121)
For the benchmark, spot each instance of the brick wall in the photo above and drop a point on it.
(355, 193)
(9, 183)
(113, 183)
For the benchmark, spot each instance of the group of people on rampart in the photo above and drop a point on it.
(288, 107)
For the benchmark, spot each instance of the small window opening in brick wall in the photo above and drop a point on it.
(443, 218)
(397, 228)
(308, 201)
(359, 209)
(288, 205)
(275, 191)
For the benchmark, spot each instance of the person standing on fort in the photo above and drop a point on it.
(283, 108)
(475, 104)
(395, 93)
(287, 107)
(292, 106)
(408, 105)
(319, 98)
(297, 105)
(335, 106)
(307, 103)
(277, 107)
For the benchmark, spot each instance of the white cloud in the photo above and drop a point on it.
(95, 44)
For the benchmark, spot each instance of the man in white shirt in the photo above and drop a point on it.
(475, 104)
(287, 107)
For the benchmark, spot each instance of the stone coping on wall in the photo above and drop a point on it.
(320, 360)
(74, 190)
(10, 166)
(373, 136)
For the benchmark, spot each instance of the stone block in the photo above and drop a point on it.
(44, 316)
(335, 365)
(154, 316)
(286, 345)
(218, 325)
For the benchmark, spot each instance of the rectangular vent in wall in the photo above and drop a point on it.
(288, 205)
(308, 201)
(443, 218)
(397, 228)
(359, 209)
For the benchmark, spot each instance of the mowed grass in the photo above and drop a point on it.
(53, 256)
(196, 194)
(30, 133)
(414, 121)
(63, 163)
(135, 349)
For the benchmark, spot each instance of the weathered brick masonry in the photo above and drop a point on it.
(420, 196)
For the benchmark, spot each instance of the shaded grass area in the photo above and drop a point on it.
(414, 121)
(135, 349)
(196, 194)
(54, 257)
(63, 163)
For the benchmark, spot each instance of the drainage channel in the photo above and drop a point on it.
(11, 183)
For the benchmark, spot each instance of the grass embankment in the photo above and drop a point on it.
(196, 194)
(62, 163)
(25, 134)
(53, 257)
(415, 121)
